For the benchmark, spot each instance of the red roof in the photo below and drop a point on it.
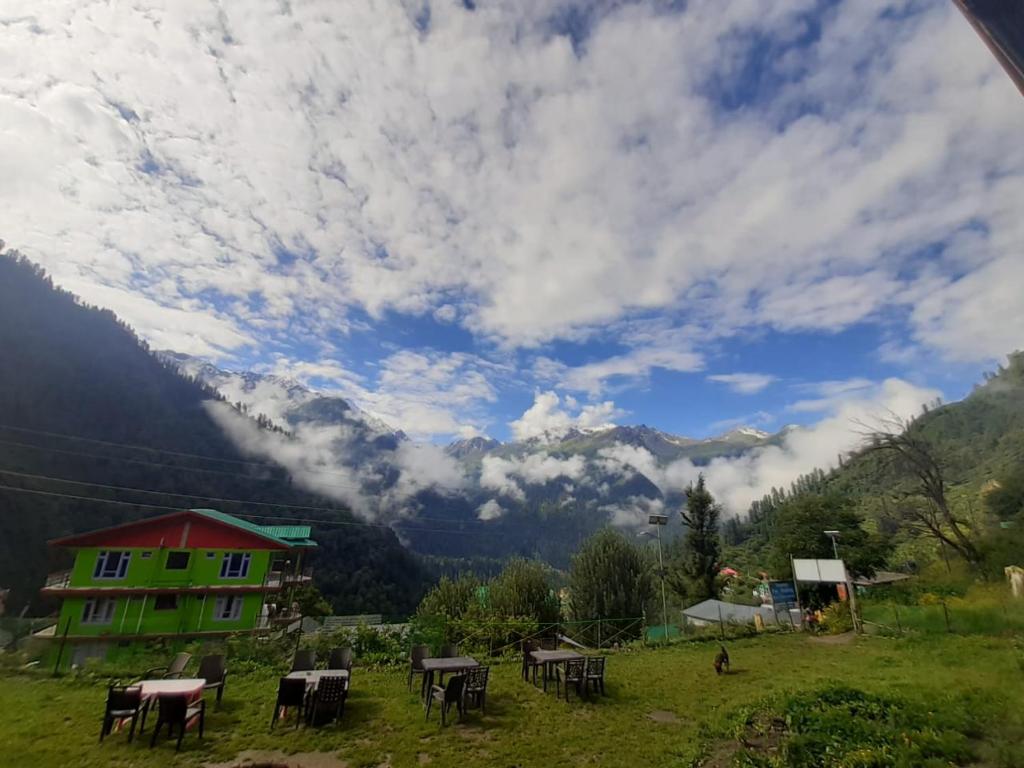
(188, 529)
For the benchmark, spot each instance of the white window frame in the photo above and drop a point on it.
(99, 611)
(242, 569)
(102, 561)
(227, 608)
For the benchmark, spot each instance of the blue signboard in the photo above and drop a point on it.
(783, 593)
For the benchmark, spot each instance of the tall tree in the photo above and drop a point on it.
(523, 590)
(610, 578)
(800, 526)
(700, 559)
(922, 504)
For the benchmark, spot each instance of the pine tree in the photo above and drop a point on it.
(700, 560)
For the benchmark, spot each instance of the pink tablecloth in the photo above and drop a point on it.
(191, 687)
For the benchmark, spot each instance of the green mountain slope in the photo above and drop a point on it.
(82, 399)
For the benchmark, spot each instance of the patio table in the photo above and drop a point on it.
(313, 676)
(442, 665)
(548, 659)
(191, 687)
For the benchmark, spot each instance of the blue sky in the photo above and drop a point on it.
(499, 218)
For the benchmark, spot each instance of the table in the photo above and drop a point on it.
(549, 658)
(313, 676)
(192, 687)
(442, 665)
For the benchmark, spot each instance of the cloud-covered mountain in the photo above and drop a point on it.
(532, 495)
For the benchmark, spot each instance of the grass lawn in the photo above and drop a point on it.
(55, 722)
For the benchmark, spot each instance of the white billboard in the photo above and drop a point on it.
(830, 571)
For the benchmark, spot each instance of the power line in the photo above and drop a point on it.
(223, 500)
(315, 521)
(131, 446)
(204, 498)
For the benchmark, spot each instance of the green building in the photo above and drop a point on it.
(192, 573)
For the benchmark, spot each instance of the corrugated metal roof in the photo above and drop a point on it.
(266, 531)
(731, 612)
(288, 531)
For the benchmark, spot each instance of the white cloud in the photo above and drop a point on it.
(490, 510)
(547, 419)
(744, 383)
(485, 172)
(507, 476)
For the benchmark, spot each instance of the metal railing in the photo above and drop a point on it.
(58, 580)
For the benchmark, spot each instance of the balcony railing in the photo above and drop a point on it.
(288, 578)
(58, 580)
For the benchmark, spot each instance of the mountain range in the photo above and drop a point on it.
(535, 497)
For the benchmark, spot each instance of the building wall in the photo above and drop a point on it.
(138, 614)
(203, 568)
(193, 614)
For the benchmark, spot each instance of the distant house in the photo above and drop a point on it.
(197, 572)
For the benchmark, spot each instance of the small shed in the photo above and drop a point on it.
(712, 611)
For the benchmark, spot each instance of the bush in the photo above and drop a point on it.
(837, 619)
(842, 726)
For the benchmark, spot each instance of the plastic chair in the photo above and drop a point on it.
(571, 674)
(447, 696)
(122, 702)
(304, 660)
(213, 670)
(327, 702)
(291, 692)
(416, 657)
(177, 711)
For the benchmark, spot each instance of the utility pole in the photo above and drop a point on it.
(658, 521)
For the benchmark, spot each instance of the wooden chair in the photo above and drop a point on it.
(595, 674)
(304, 660)
(177, 711)
(213, 670)
(291, 692)
(341, 658)
(122, 702)
(474, 690)
(416, 657)
(327, 702)
(572, 674)
(447, 696)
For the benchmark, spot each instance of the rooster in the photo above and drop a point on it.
(721, 660)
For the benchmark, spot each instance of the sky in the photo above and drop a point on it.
(485, 217)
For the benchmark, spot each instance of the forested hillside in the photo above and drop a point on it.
(82, 399)
(974, 448)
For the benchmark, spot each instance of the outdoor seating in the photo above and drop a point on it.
(122, 702)
(172, 670)
(341, 658)
(291, 692)
(549, 643)
(213, 670)
(304, 659)
(529, 663)
(327, 702)
(594, 674)
(449, 650)
(571, 673)
(176, 711)
(446, 697)
(474, 690)
(416, 657)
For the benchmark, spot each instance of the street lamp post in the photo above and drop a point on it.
(834, 535)
(658, 521)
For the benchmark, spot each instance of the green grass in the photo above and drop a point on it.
(983, 610)
(971, 685)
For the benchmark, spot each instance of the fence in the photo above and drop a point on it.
(945, 615)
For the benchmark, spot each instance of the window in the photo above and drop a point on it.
(211, 555)
(146, 555)
(98, 610)
(235, 565)
(166, 603)
(112, 564)
(177, 561)
(227, 608)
